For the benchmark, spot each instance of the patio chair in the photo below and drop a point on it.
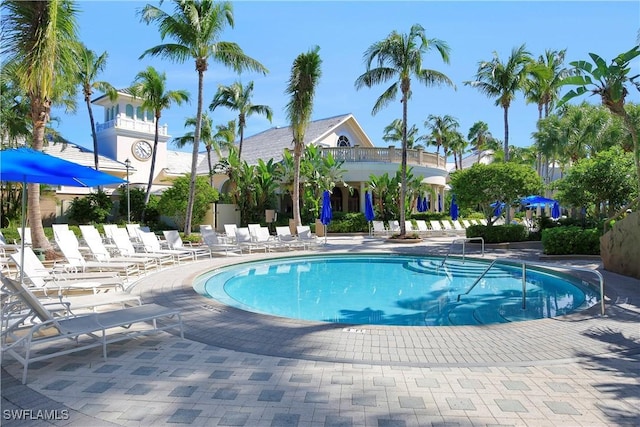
(305, 236)
(465, 223)
(76, 333)
(218, 243)
(100, 253)
(151, 244)
(51, 280)
(394, 226)
(7, 246)
(262, 236)
(175, 242)
(244, 239)
(283, 234)
(76, 260)
(230, 231)
(26, 236)
(379, 229)
(423, 228)
(436, 227)
(125, 248)
(408, 226)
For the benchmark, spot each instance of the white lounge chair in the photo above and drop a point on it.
(465, 223)
(261, 235)
(56, 282)
(76, 260)
(218, 243)
(151, 244)
(408, 226)
(307, 237)
(422, 227)
(379, 229)
(100, 253)
(244, 239)
(26, 236)
(394, 226)
(458, 227)
(125, 248)
(175, 242)
(230, 231)
(21, 340)
(436, 227)
(283, 232)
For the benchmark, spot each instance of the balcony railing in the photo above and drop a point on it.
(384, 155)
(127, 123)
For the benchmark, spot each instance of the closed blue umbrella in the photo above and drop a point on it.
(419, 204)
(497, 208)
(325, 213)
(368, 209)
(555, 211)
(427, 204)
(454, 208)
(439, 203)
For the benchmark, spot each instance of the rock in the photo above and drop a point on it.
(620, 247)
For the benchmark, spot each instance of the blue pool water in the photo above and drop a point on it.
(393, 290)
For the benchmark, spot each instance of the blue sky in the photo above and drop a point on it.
(274, 33)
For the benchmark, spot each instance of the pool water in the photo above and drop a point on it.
(394, 290)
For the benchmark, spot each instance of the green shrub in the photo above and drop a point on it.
(353, 222)
(571, 241)
(499, 233)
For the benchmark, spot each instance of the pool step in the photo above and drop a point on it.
(457, 269)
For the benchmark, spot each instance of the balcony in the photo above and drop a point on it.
(415, 157)
(126, 123)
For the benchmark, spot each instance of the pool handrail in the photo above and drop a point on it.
(524, 264)
(464, 240)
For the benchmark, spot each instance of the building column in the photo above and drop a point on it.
(362, 190)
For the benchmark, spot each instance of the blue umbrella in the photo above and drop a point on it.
(555, 211)
(426, 204)
(35, 167)
(536, 201)
(454, 208)
(325, 214)
(368, 209)
(419, 204)
(497, 208)
(439, 203)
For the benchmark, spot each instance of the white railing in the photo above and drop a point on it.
(132, 124)
(384, 155)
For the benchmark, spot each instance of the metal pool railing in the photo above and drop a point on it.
(524, 278)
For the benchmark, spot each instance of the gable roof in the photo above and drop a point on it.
(83, 156)
(271, 143)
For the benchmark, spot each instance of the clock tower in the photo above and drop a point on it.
(127, 132)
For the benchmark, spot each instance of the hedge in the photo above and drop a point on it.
(571, 241)
(499, 233)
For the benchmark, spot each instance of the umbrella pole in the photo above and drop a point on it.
(325, 234)
(24, 226)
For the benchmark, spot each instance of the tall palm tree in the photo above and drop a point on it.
(502, 80)
(150, 86)
(399, 57)
(609, 82)
(543, 85)
(237, 97)
(393, 133)
(39, 39)
(440, 127)
(479, 136)
(90, 66)
(196, 27)
(305, 75)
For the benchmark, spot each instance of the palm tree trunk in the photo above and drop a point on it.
(403, 167)
(93, 132)
(147, 195)
(194, 155)
(506, 134)
(297, 155)
(209, 163)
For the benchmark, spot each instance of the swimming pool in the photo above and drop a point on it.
(394, 290)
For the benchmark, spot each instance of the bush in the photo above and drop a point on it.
(571, 241)
(499, 233)
(354, 222)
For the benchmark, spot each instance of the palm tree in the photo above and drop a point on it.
(440, 127)
(479, 136)
(607, 81)
(196, 27)
(501, 81)
(39, 40)
(393, 133)
(150, 86)
(222, 139)
(543, 85)
(90, 66)
(238, 98)
(400, 56)
(305, 75)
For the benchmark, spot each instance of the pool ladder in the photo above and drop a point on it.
(523, 265)
(464, 242)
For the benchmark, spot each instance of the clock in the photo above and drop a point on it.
(141, 150)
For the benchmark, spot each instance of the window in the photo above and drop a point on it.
(129, 111)
(343, 141)
(149, 115)
(139, 113)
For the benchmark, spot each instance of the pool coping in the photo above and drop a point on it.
(555, 340)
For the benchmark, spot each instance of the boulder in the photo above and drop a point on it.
(620, 247)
